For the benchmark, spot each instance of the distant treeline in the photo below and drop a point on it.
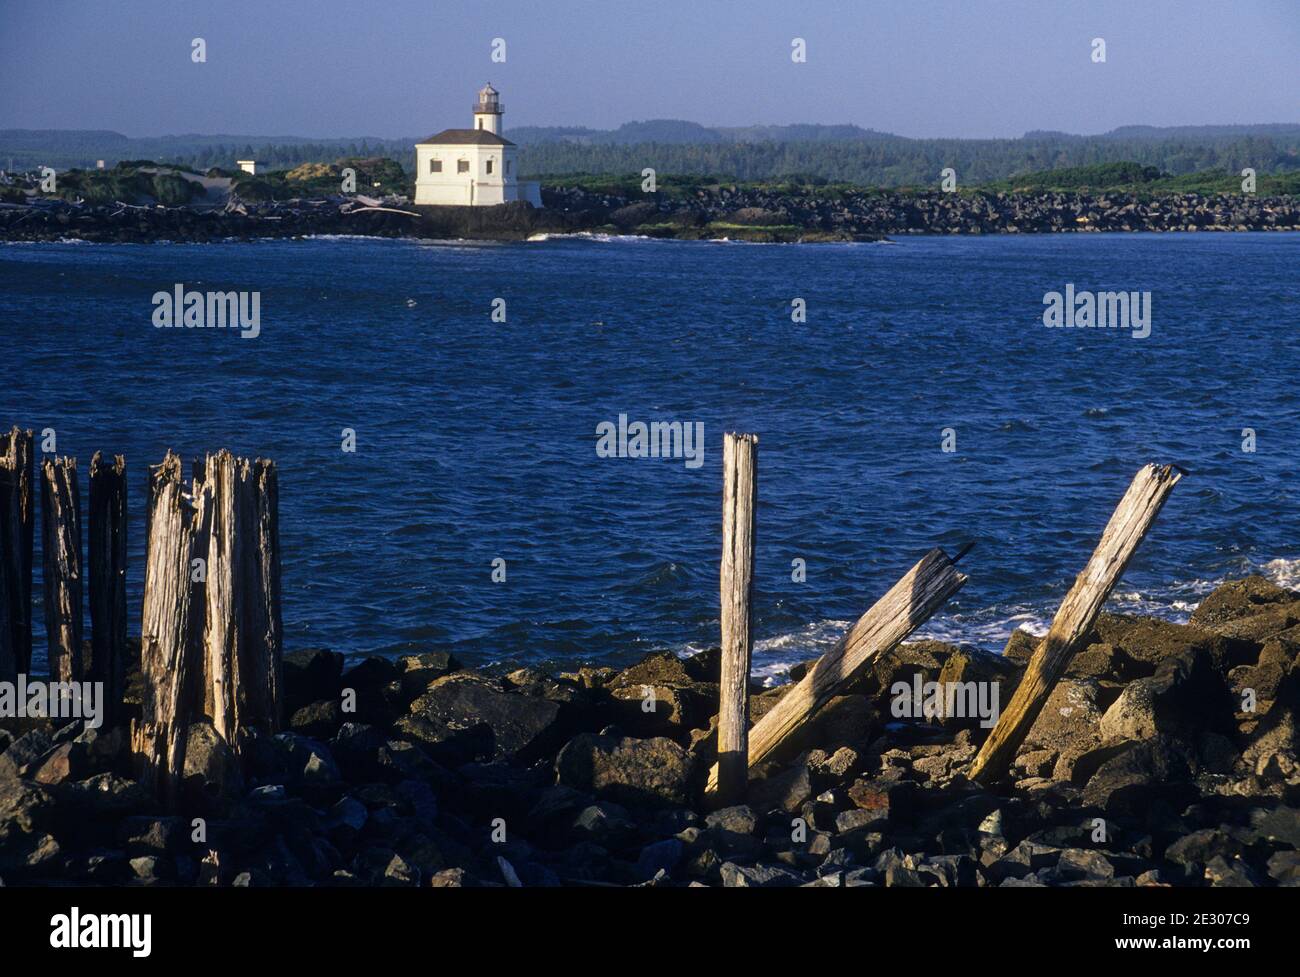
(891, 161)
(815, 154)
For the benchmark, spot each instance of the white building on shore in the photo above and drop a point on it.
(475, 167)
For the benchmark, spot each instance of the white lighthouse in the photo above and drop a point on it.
(475, 167)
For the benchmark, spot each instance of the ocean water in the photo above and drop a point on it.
(476, 440)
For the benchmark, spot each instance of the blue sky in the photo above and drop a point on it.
(396, 68)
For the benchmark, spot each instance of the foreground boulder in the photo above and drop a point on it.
(509, 726)
(652, 772)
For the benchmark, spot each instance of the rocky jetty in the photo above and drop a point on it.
(756, 213)
(730, 212)
(1166, 757)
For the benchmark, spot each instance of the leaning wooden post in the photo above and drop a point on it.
(61, 562)
(107, 558)
(17, 533)
(739, 495)
(1129, 524)
(167, 641)
(906, 606)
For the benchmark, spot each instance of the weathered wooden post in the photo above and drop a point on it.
(739, 496)
(237, 502)
(221, 504)
(905, 607)
(107, 559)
(61, 562)
(167, 640)
(17, 533)
(1129, 524)
(265, 674)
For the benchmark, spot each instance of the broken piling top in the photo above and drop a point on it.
(212, 629)
(1129, 524)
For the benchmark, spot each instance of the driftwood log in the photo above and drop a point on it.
(17, 534)
(905, 607)
(739, 496)
(61, 563)
(106, 554)
(1129, 524)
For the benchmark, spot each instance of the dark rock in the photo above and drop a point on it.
(105, 749)
(311, 675)
(320, 720)
(24, 752)
(306, 761)
(1021, 646)
(605, 824)
(786, 791)
(923, 658)
(1239, 598)
(1284, 868)
(445, 744)
(67, 761)
(1143, 771)
(152, 836)
(522, 727)
(1082, 863)
(734, 829)
(661, 856)
(1148, 641)
(356, 749)
(105, 795)
(373, 686)
(1184, 696)
(26, 810)
(652, 772)
(1223, 873)
(980, 672)
(212, 773)
(758, 876)
(418, 672)
(1025, 859)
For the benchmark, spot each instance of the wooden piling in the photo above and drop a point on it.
(168, 645)
(61, 562)
(17, 534)
(106, 554)
(739, 497)
(905, 607)
(221, 501)
(265, 680)
(238, 518)
(1132, 519)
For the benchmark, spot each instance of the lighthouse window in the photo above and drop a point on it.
(507, 167)
(462, 166)
(489, 167)
(435, 166)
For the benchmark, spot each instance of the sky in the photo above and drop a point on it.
(397, 68)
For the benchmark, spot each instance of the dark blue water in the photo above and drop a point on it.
(476, 440)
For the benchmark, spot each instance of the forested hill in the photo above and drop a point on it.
(814, 153)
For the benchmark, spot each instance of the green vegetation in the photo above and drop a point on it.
(1131, 177)
(127, 183)
(376, 176)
